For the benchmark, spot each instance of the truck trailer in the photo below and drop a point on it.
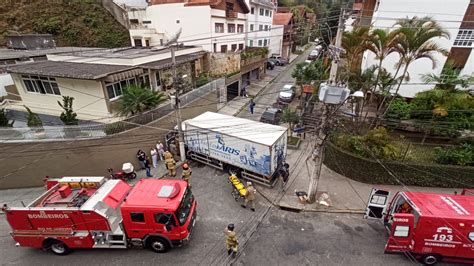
(253, 150)
(429, 227)
(92, 212)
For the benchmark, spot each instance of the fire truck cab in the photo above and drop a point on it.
(92, 212)
(427, 226)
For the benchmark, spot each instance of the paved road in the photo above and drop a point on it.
(270, 94)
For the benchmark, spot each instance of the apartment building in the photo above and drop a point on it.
(260, 23)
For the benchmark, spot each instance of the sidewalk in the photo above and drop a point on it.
(345, 194)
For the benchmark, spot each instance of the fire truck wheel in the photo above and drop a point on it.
(158, 245)
(58, 247)
(430, 259)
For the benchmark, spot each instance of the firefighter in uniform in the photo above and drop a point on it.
(170, 163)
(186, 174)
(231, 240)
(250, 196)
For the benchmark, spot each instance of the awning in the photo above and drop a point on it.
(124, 75)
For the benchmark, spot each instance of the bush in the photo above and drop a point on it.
(399, 109)
(202, 80)
(458, 155)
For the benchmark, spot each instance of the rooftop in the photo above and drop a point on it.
(267, 3)
(156, 192)
(443, 205)
(165, 63)
(6, 54)
(282, 18)
(67, 69)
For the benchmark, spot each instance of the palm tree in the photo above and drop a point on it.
(449, 78)
(354, 44)
(381, 43)
(138, 98)
(414, 40)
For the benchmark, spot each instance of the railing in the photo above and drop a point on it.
(230, 14)
(99, 130)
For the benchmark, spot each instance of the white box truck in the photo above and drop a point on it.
(253, 150)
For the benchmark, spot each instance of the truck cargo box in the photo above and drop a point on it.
(250, 145)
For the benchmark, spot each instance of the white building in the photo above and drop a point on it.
(455, 17)
(218, 26)
(259, 24)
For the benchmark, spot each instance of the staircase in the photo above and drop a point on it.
(312, 117)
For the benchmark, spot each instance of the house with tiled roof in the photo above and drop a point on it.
(284, 21)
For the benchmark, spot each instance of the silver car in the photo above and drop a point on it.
(287, 93)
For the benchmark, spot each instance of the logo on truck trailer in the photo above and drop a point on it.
(222, 147)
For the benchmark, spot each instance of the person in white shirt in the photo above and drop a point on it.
(154, 157)
(161, 150)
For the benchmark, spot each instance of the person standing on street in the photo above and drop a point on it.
(231, 240)
(141, 158)
(170, 164)
(161, 150)
(154, 157)
(186, 174)
(250, 196)
(251, 106)
(147, 167)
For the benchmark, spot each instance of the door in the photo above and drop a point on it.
(401, 233)
(163, 222)
(377, 204)
(137, 224)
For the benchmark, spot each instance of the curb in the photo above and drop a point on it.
(296, 209)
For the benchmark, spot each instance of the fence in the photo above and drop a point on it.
(98, 130)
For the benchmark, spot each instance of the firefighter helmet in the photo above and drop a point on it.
(185, 166)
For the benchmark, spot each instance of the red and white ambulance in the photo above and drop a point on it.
(427, 226)
(92, 212)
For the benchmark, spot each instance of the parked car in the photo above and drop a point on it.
(287, 93)
(271, 115)
(270, 64)
(279, 61)
(314, 54)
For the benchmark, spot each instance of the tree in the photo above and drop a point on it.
(291, 117)
(305, 73)
(414, 40)
(137, 98)
(33, 119)
(4, 121)
(449, 78)
(68, 116)
(354, 42)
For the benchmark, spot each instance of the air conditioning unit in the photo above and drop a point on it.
(333, 94)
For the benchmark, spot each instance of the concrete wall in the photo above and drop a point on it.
(5, 80)
(89, 99)
(384, 18)
(116, 11)
(276, 40)
(25, 165)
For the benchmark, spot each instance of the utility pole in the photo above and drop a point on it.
(318, 154)
(336, 49)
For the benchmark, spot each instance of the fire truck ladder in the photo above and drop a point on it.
(114, 238)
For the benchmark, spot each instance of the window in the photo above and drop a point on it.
(378, 199)
(114, 90)
(41, 84)
(147, 43)
(241, 46)
(233, 47)
(251, 43)
(223, 48)
(146, 22)
(259, 42)
(134, 21)
(177, 21)
(270, 13)
(240, 28)
(214, 46)
(401, 231)
(158, 79)
(471, 236)
(137, 217)
(229, 6)
(267, 12)
(145, 79)
(265, 42)
(219, 27)
(138, 42)
(231, 28)
(252, 10)
(251, 27)
(260, 27)
(261, 11)
(465, 38)
(266, 27)
(164, 218)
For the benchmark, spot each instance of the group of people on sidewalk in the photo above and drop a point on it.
(157, 152)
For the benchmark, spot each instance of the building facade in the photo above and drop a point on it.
(283, 23)
(217, 25)
(260, 23)
(456, 17)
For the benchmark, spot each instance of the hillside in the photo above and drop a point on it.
(72, 22)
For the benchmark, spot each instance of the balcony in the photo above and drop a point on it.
(231, 14)
(252, 57)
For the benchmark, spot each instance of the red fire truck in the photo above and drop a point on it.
(92, 212)
(427, 226)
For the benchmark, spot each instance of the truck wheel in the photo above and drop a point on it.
(59, 248)
(158, 245)
(430, 259)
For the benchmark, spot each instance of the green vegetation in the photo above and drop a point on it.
(457, 155)
(72, 22)
(137, 99)
(202, 79)
(291, 117)
(250, 52)
(68, 116)
(33, 119)
(4, 121)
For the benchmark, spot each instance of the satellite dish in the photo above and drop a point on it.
(174, 38)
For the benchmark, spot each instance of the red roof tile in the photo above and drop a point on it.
(282, 18)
